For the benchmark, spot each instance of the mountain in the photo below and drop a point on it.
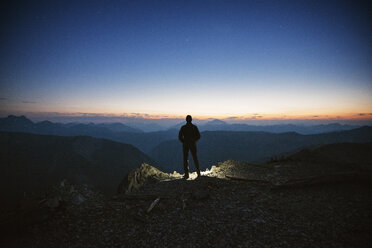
(22, 124)
(178, 126)
(281, 128)
(146, 127)
(112, 131)
(215, 125)
(347, 154)
(119, 127)
(208, 126)
(146, 141)
(215, 122)
(31, 163)
(218, 125)
(217, 146)
(15, 123)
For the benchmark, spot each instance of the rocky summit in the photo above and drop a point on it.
(233, 204)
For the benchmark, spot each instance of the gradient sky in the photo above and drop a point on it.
(274, 59)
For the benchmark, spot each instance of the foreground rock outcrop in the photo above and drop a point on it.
(145, 174)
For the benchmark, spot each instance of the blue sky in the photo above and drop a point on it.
(207, 58)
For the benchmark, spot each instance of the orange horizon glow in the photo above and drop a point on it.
(249, 116)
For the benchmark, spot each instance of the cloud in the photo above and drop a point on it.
(315, 116)
(3, 99)
(370, 113)
(232, 118)
(28, 102)
(255, 116)
(361, 114)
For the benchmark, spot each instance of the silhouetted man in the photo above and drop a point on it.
(188, 135)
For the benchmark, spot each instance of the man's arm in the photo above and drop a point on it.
(180, 135)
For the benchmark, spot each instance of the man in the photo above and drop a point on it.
(188, 135)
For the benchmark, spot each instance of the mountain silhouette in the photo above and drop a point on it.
(218, 125)
(22, 124)
(119, 127)
(31, 163)
(146, 142)
(356, 156)
(219, 146)
(112, 131)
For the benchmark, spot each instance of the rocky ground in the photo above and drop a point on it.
(232, 205)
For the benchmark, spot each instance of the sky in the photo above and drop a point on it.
(233, 60)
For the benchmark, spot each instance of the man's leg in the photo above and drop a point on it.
(195, 157)
(185, 149)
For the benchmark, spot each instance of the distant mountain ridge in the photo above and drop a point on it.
(218, 146)
(218, 125)
(147, 141)
(31, 162)
(22, 124)
(112, 131)
(356, 154)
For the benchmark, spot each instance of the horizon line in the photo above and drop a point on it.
(246, 117)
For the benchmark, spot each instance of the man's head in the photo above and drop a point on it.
(188, 119)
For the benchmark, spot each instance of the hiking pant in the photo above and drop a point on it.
(186, 148)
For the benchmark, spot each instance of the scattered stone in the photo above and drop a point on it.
(78, 199)
(53, 202)
(62, 184)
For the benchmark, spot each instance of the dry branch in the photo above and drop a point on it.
(144, 197)
(153, 204)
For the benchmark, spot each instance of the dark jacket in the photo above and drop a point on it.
(189, 134)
